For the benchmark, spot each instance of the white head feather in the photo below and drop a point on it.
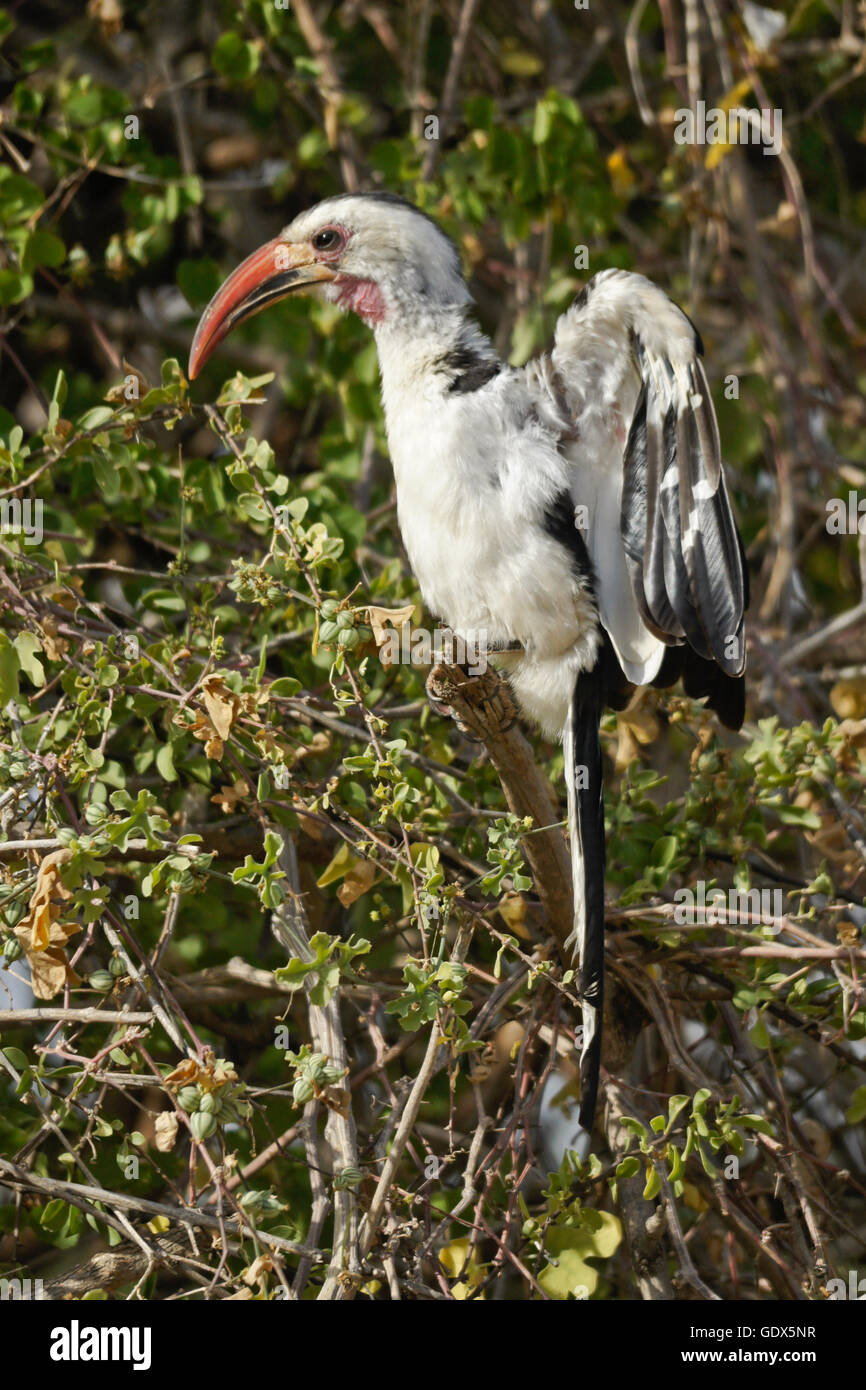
(394, 245)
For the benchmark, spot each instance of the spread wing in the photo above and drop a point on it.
(671, 577)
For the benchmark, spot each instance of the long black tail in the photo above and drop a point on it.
(583, 778)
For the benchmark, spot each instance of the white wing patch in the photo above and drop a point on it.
(661, 533)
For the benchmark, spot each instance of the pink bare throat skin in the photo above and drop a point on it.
(362, 296)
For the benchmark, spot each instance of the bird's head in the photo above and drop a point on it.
(373, 253)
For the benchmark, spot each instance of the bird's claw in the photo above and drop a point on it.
(490, 712)
(442, 708)
(438, 706)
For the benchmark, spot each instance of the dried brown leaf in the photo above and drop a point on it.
(221, 704)
(378, 618)
(165, 1131)
(358, 881)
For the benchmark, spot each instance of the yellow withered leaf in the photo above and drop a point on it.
(310, 826)
(848, 698)
(379, 618)
(42, 936)
(621, 176)
(186, 1073)
(734, 97)
(227, 798)
(358, 881)
(456, 1260)
(50, 971)
(339, 866)
(204, 731)
(258, 1270)
(221, 704)
(512, 910)
(358, 875)
(636, 727)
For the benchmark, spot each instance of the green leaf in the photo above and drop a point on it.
(165, 763)
(284, 686)
(19, 198)
(199, 281)
(653, 1184)
(16, 1057)
(801, 816)
(634, 1127)
(234, 58)
(857, 1109)
(675, 1105)
(570, 1247)
(664, 851)
(628, 1168)
(95, 417)
(14, 287)
(254, 506)
(84, 107)
(10, 665)
(27, 645)
(61, 387)
(42, 248)
(53, 1215)
(677, 1165)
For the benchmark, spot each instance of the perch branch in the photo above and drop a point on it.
(485, 706)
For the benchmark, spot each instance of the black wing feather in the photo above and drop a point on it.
(684, 552)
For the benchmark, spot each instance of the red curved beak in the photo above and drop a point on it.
(278, 268)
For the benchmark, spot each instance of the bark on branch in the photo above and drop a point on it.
(485, 707)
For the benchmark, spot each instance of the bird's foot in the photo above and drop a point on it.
(442, 708)
(481, 706)
(431, 689)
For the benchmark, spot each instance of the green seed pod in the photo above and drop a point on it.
(101, 980)
(116, 967)
(208, 1105)
(12, 949)
(345, 619)
(329, 608)
(302, 1091)
(13, 912)
(328, 632)
(188, 1098)
(348, 639)
(202, 1125)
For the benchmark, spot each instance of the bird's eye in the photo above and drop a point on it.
(327, 239)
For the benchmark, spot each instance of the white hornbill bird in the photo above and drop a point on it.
(571, 513)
